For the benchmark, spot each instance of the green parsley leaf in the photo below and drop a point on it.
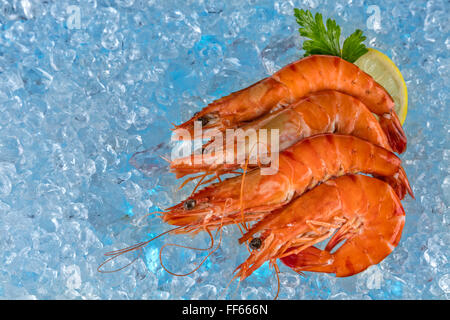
(326, 39)
(353, 48)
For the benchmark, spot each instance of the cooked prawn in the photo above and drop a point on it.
(294, 81)
(301, 167)
(362, 210)
(319, 112)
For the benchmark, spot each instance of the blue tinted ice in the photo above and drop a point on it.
(86, 85)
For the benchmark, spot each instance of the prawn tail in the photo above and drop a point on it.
(404, 181)
(399, 183)
(392, 127)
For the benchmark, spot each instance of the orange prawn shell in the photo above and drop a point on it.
(317, 113)
(317, 73)
(294, 81)
(301, 167)
(373, 204)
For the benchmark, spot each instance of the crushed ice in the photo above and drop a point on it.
(85, 85)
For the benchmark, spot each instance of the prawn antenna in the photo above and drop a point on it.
(191, 248)
(136, 247)
(185, 182)
(228, 285)
(241, 196)
(139, 220)
(277, 272)
(165, 158)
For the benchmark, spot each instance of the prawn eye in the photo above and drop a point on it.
(255, 243)
(189, 204)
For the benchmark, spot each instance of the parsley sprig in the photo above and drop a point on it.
(326, 39)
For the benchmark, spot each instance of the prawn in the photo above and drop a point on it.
(301, 167)
(363, 211)
(294, 81)
(319, 112)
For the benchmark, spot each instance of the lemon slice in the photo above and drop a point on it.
(386, 73)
